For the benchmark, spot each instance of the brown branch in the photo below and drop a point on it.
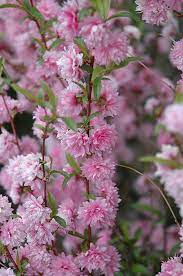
(88, 133)
(12, 124)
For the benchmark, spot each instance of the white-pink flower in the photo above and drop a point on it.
(103, 139)
(5, 209)
(69, 63)
(176, 54)
(64, 265)
(98, 168)
(95, 213)
(172, 118)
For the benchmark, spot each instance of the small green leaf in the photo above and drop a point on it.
(56, 43)
(65, 174)
(178, 98)
(69, 122)
(147, 208)
(36, 13)
(52, 204)
(60, 221)
(4, 6)
(97, 85)
(103, 8)
(82, 46)
(51, 95)
(122, 64)
(119, 14)
(87, 68)
(25, 92)
(170, 163)
(139, 268)
(85, 12)
(98, 71)
(66, 180)
(73, 163)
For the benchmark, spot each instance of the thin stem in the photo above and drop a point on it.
(148, 69)
(12, 124)
(76, 234)
(43, 38)
(88, 133)
(157, 187)
(11, 258)
(43, 151)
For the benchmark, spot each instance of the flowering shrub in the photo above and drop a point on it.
(81, 96)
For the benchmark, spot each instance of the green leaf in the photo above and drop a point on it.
(147, 208)
(131, 15)
(56, 43)
(51, 95)
(170, 163)
(52, 204)
(178, 98)
(97, 85)
(60, 221)
(87, 68)
(73, 163)
(65, 174)
(41, 44)
(4, 6)
(25, 92)
(82, 46)
(122, 64)
(103, 8)
(36, 13)
(98, 71)
(66, 180)
(84, 12)
(1, 66)
(119, 14)
(69, 122)
(139, 268)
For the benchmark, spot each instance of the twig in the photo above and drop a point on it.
(157, 187)
(11, 258)
(12, 124)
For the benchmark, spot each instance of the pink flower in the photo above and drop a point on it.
(171, 112)
(68, 101)
(68, 211)
(38, 263)
(5, 209)
(13, 232)
(68, 21)
(50, 66)
(24, 169)
(38, 115)
(107, 190)
(98, 168)
(69, 63)
(76, 143)
(64, 265)
(95, 213)
(6, 272)
(113, 264)
(113, 48)
(29, 145)
(154, 11)
(173, 267)
(103, 139)
(8, 147)
(176, 55)
(95, 258)
(48, 8)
